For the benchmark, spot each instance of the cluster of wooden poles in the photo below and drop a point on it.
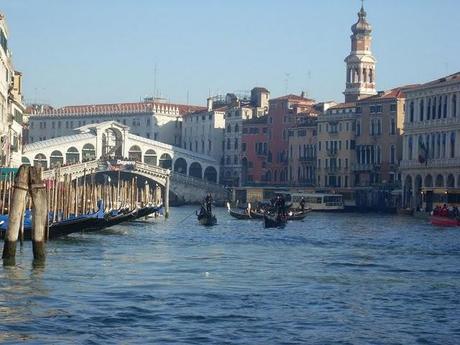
(6, 191)
(62, 198)
(68, 197)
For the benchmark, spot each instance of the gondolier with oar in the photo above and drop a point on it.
(208, 203)
(302, 204)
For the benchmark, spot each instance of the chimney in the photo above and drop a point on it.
(209, 103)
(302, 94)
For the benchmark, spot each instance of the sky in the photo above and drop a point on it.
(105, 51)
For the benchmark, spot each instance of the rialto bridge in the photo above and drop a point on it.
(95, 148)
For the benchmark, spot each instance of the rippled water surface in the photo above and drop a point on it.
(332, 279)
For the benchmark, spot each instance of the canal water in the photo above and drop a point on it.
(332, 279)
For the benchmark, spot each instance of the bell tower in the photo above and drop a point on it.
(360, 63)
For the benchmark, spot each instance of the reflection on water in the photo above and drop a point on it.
(334, 278)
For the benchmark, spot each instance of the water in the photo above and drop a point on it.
(332, 279)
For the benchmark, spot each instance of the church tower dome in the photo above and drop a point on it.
(360, 62)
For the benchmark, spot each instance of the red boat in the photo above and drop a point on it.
(444, 221)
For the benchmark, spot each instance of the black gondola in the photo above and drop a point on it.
(206, 218)
(239, 215)
(274, 221)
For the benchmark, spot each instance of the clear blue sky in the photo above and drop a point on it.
(98, 51)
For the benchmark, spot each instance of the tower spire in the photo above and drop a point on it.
(360, 79)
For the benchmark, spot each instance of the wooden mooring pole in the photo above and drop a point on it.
(15, 215)
(39, 211)
(166, 200)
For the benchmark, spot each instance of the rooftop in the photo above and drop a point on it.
(114, 108)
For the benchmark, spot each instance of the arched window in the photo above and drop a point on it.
(56, 159)
(433, 109)
(411, 111)
(40, 161)
(229, 128)
(25, 161)
(72, 155)
(88, 153)
(150, 157)
(135, 153)
(371, 75)
(228, 144)
(452, 145)
(236, 144)
(235, 159)
(421, 110)
(237, 128)
(365, 74)
(454, 105)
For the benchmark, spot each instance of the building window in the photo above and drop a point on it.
(228, 144)
(452, 145)
(445, 107)
(358, 128)
(392, 154)
(422, 108)
(454, 105)
(411, 111)
(236, 144)
(229, 128)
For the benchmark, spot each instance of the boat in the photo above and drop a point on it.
(318, 201)
(88, 222)
(239, 215)
(444, 221)
(206, 218)
(257, 214)
(272, 221)
(405, 211)
(298, 215)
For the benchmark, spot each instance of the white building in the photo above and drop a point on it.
(151, 119)
(203, 131)
(431, 144)
(11, 106)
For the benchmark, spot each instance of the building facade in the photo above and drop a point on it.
(302, 151)
(151, 119)
(255, 148)
(203, 131)
(238, 111)
(431, 144)
(11, 104)
(336, 146)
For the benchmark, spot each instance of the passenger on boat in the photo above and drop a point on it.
(437, 211)
(444, 211)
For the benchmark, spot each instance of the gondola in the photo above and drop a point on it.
(274, 221)
(257, 214)
(239, 215)
(298, 215)
(206, 218)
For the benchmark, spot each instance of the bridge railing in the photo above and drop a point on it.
(77, 168)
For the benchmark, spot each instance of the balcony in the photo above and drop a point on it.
(365, 167)
(431, 163)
